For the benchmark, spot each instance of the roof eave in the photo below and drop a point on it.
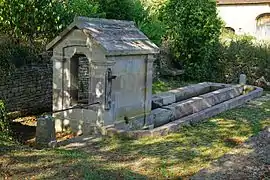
(60, 36)
(136, 52)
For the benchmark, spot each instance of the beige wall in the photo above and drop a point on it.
(242, 18)
(128, 90)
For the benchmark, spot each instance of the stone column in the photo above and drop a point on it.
(57, 82)
(148, 88)
(66, 83)
(148, 83)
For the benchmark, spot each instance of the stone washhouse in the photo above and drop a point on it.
(102, 84)
(102, 76)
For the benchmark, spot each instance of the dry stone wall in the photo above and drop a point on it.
(28, 88)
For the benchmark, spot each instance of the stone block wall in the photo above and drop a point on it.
(28, 88)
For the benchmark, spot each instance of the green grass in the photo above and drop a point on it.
(163, 84)
(177, 155)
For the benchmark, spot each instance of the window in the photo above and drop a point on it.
(263, 26)
(229, 30)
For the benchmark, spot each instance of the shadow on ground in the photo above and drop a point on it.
(178, 155)
(250, 161)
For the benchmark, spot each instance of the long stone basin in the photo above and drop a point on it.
(196, 104)
(187, 105)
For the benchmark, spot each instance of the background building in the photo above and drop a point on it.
(246, 16)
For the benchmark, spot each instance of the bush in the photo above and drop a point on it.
(243, 54)
(193, 31)
(32, 20)
(4, 124)
(123, 9)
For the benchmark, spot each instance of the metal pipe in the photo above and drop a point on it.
(77, 106)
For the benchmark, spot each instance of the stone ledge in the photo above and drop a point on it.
(184, 93)
(191, 119)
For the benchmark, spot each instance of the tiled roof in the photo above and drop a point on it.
(113, 35)
(225, 2)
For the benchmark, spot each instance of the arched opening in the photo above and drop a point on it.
(263, 25)
(229, 30)
(79, 77)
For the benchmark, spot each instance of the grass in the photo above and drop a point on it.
(178, 155)
(166, 84)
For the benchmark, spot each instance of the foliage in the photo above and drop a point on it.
(41, 19)
(243, 54)
(153, 28)
(123, 9)
(4, 123)
(152, 25)
(14, 55)
(154, 6)
(166, 84)
(193, 30)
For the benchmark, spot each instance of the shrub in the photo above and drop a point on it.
(243, 54)
(32, 20)
(123, 9)
(193, 30)
(153, 28)
(4, 124)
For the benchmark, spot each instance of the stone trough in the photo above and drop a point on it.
(173, 109)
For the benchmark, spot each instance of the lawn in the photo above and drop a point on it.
(178, 155)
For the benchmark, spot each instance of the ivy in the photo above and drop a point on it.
(4, 123)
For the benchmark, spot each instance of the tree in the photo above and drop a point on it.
(132, 10)
(32, 20)
(193, 30)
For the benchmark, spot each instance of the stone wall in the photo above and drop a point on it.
(28, 88)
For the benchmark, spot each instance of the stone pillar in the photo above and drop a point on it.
(243, 79)
(148, 87)
(66, 83)
(45, 132)
(57, 82)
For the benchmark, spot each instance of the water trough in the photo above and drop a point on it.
(191, 104)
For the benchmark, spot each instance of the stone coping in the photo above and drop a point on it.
(190, 119)
(184, 93)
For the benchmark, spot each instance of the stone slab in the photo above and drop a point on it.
(184, 93)
(193, 118)
(45, 132)
(197, 104)
(161, 116)
(164, 98)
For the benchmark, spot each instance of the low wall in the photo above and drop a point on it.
(28, 88)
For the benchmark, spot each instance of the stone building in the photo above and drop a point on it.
(102, 75)
(246, 16)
